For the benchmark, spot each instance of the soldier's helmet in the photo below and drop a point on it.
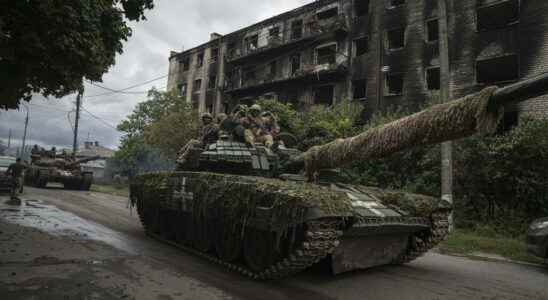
(255, 108)
(207, 116)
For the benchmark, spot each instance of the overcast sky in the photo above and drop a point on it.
(171, 25)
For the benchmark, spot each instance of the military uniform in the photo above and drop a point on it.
(256, 131)
(188, 154)
(16, 171)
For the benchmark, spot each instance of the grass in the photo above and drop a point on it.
(468, 242)
(112, 189)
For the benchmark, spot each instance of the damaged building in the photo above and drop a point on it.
(380, 53)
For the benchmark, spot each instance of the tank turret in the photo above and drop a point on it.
(269, 213)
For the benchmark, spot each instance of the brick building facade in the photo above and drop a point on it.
(331, 50)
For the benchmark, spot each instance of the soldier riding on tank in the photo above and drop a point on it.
(210, 134)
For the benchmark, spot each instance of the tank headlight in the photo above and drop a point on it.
(539, 225)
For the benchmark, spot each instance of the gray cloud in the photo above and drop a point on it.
(172, 25)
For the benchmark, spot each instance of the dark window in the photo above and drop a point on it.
(433, 78)
(249, 74)
(361, 46)
(212, 83)
(295, 63)
(272, 68)
(296, 29)
(210, 108)
(498, 69)
(274, 32)
(197, 85)
(326, 14)
(360, 88)
(324, 95)
(200, 60)
(432, 28)
(214, 54)
(396, 38)
(361, 7)
(394, 3)
(252, 42)
(182, 89)
(186, 63)
(498, 15)
(394, 84)
(326, 55)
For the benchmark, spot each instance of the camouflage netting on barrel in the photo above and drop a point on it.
(449, 121)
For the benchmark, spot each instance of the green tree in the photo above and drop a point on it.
(50, 47)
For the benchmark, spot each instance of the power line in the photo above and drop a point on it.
(99, 119)
(123, 91)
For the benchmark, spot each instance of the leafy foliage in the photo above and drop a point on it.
(49, 47)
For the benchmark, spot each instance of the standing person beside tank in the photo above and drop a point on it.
(16, 171)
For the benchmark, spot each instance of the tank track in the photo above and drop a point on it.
(321, 239)
(438, 233)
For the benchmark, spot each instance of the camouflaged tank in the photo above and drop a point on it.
(252, 209)
(69, 173)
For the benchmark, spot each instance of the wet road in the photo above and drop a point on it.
(107, 219)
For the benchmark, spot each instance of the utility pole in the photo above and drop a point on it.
(9, 139)
(76, 120)
(25, 133)
(445, 73)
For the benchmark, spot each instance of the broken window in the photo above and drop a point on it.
(231, 49)
(360, 89)
(214, 54)
(252, 42)
(433, 78)
(272, 68)
(327, 14)
(396, 38)
(361, 46)
(394, 3)
(361, 7)
(296, 29)
(274, 31)
(197, 85)
(212, 83)
(248, 74)
(186, 63)
(295, 63)
(498, 15)
(324, 95)
(200, 60)
(432, 30)
(182, 89)
(326, 55)
(499, 69)
(394, 84)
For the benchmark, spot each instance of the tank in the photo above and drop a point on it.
(64, 170)
(270, 213)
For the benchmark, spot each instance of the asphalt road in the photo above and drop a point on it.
(106, 219)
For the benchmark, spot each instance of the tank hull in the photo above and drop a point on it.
(40, 176)
(270, 228)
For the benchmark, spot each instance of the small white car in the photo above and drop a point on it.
(5, 181)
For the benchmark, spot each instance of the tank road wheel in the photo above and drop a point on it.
(259, 249)
(202, 237)
(228, 242)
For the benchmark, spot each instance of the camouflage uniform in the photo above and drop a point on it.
(188, 154)
(256, 131)
(16, 172)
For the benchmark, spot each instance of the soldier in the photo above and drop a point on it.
(271, 123)
(232, 124)
(16, 170)
(210, 134)
(256, 132)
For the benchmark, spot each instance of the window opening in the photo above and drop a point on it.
(432, 28)
(433, 78)
(295, 63)
(252, 42)
(394, 3)
(212, 83)
(498, 15)
(361, 7)
(394, 84)
(396, 38)
(296, 29)
(361, 46)
(214, 54)
(327, 14)
(274, 32)
(324, 95)
(182, 89)
(360, 89)
(326, 55)
(200, 60)
(272, 68)
(186, 63)
(197, 85)
(499, 69)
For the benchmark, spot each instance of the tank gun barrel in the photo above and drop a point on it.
(83, 161)
(480, 112)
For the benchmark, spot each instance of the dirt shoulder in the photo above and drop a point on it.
(65, 264)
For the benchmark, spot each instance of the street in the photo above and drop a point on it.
(83, 245)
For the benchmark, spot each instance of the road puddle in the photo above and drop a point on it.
(50, 219)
